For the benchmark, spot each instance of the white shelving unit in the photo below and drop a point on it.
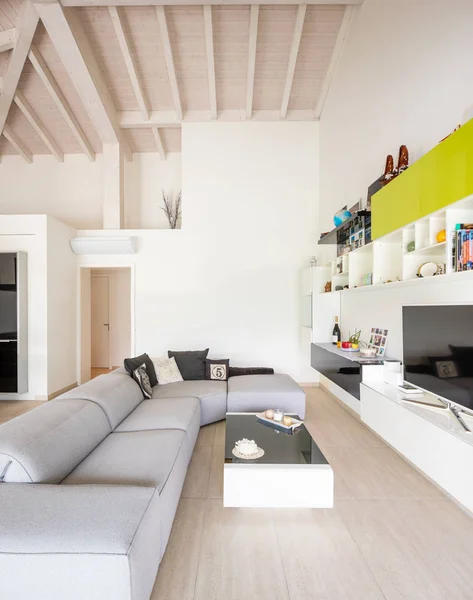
(387, 259)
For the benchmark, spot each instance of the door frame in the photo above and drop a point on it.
(109, 279)
(103, 265)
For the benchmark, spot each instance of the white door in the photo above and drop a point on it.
(100, 321)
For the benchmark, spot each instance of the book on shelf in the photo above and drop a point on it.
(462, 250)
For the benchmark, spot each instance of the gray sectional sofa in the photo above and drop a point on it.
(90, 482)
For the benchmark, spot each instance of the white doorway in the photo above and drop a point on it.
(106, 319)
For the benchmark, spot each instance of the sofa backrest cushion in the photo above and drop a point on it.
(117, 396)
(47, 443)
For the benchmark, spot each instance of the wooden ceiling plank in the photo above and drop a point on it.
(291, 66)
(17, 144)
(163, 26)
(7, 39)
(337, 51)
(60, 101)
(70, 40)
(199, 2)
(29, 21)
(209, 47)
(124, 43)
(159, 142)
(250, 76)
(38, 125)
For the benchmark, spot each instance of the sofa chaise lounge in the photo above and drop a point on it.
(90, 481)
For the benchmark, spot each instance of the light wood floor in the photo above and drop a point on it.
(9, 409)
(96, 371)
(392, 534)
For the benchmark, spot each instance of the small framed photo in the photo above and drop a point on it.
(378, 340)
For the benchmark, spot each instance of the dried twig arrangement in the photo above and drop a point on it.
(172, 209)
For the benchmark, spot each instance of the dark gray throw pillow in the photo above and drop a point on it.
(131, 364)
(191, 363)
(237, 371)
(140, 375)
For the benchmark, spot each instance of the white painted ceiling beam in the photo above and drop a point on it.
(130, 63)
(28, 22)
(70, 40)
(17, 144)
(38, 125)
(250, 74)
(337, 51)
(7, 39)
(198, 2)
(60, 101)
(132, 119)
(291, 66)
(159, 143)
(209, 46)
(163, 26)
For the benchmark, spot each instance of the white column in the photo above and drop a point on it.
(114, 185)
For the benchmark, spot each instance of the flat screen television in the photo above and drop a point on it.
(438, 350)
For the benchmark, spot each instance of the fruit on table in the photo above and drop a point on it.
(269, 414)
(287, 420)
(346, 344)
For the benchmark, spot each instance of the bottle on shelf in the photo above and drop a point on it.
(336, 335)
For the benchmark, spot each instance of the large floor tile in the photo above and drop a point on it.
(220, 433)
(206, 435)
(178, 570)
(379, 473)
(240, 558)
(215, 488)
(320, 558)
(403, 555)
(198, 473)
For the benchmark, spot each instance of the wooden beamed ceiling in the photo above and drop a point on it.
(118, 71)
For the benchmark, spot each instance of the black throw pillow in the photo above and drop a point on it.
(131, 364)
(217, 370)
(191, 363)
(237, 371)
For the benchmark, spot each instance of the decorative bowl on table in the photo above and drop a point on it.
(247, 449)
(349, 347)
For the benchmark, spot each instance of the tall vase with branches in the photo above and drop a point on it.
(172, 208)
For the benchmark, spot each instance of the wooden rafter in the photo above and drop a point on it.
(163, 26)
(199, 2)
(70, 40)
(17, 144)
(60, 101)
(342, 34)
(124, 43)
(7, 39)
(159, 142)
(291, 66)
(209, 46)
(250, 74)
(38, 125)
(28, 22)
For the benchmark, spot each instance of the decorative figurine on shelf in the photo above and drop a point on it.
(340, 216)
(389, 172)
(441, 236)
(328, 287)
(403, 161)
(411, 246)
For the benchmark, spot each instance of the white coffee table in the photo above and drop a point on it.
(292, 473)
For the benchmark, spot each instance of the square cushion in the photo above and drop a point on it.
(131, 364)
(254, 393)
(191, 364)
(140, 375)
(167, 370)
(140, 458)
(217, 370)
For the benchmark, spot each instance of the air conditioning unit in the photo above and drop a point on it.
(103, 245)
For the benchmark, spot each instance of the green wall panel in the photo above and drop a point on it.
(441, 177)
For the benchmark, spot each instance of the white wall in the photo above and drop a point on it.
(405, 77)
(62, 306)
(230, 279)
(28, 234)
(73, 191)
(145, 178)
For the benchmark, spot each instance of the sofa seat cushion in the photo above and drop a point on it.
(162, 413)
(134, 458)
(253, 393)
(47, 443)
(94, 541)
(117, 396)
(212, 396)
